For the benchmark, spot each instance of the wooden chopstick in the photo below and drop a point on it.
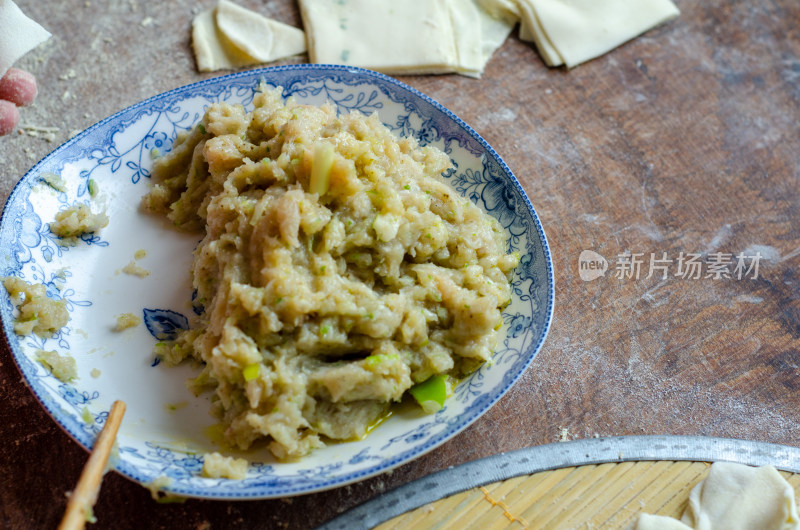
(84, 496)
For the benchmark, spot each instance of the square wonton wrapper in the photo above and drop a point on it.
(396, 37)
(580, 30)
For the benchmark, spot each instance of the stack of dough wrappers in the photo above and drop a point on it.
(423, 36)
(440, 36)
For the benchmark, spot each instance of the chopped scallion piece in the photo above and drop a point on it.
(374, 360)
(431, 393)
(324, 157)
(250, 372)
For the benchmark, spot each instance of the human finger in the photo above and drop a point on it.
(18, 87)
(9, 116)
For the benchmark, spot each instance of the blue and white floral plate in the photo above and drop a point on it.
(166, 429)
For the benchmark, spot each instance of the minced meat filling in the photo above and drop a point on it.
(337, 269)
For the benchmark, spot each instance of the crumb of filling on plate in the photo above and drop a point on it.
(157, 485)
(134, 269)
(54, 181)
(63, 367)
(338, 270)
(216, 465)
(36, 312)
(77, 220)
(126, 320)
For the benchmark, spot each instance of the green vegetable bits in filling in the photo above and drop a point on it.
(337, 271)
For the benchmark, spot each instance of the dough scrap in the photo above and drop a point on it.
(229, 37)
(18, 34)
(733, 497)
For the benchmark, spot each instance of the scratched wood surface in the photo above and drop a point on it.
(685, 140)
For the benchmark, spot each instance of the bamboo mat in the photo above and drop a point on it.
(592, 497)
(586, 484)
